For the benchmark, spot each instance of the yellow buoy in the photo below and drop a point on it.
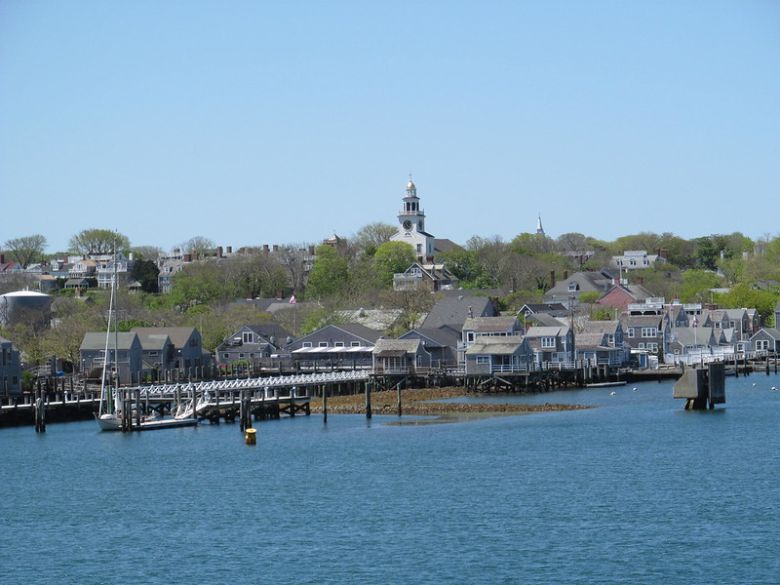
(250, 437)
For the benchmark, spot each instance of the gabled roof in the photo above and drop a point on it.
(270, 329)
(153, 341)
(96, 340)
(600, 328)
(772, 332)
(180, 336)
(453, 311)
(692, 335)
(542, 319)
(641, 320)
(442, 337)
(590, 340)
(584, 281)
(370, 336)
(496, 345)
(490, 324)
(535, 332)
(391, 347)
(549, 308)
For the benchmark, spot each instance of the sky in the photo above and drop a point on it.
(258, 122)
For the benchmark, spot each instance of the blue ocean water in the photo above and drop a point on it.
(635, 490)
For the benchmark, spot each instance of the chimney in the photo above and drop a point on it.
(471, 312)
(311, 250)
(219, 251)
(276, 247)
(266, 249)
(229, 250)
(552, 278)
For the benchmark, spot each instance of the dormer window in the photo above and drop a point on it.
(573, 286)
(248, 337)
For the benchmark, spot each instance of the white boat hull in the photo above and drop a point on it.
(109, 422)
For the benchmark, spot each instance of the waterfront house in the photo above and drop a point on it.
(551, 345)
(341, 346)
(129, 359)
(10, 368)
(157, 351)
(766, 340)
(491, 355)
(252, 342)
(187, 346)
(400, 356)
(602, 342)
(441, 343)
(477, 327)
(645, 332)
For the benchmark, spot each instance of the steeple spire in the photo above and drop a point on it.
(539, 228)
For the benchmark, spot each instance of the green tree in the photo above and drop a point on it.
(200, 283)
(370, 237)
(696, 285)
(145, 272)
(328, 274)
(26, 249)
(743, 295)
(391, 258)
(98, 241)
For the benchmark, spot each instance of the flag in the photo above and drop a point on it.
(292, 300)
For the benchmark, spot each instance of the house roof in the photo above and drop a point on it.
(641, 320)
(490, 324)
(453, 311)
(179, 335)
(585, 281)
(692, 335)
(543, 319)
(153, 341)
(772, 332)
(270, 329)
(600, 327)
(558, 309)
(396, 347)
(496, 345)
(535, 332)
(442, 337)
(96, 340)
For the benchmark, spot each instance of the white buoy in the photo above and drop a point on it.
(635, 388)
(774, 388)
(612, 393)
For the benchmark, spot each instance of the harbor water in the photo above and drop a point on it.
(634, 490)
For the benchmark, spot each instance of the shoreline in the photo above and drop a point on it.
(420, 402)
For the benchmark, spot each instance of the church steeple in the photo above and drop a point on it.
(539, 228)
(411, 216)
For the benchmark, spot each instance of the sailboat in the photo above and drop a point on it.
(109, 414)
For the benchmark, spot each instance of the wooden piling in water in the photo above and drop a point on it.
(368, 399)
(325, 403)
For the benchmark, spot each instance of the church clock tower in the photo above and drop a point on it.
(411, 227)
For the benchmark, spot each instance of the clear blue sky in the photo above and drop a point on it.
(280, 122)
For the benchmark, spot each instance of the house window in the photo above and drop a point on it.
(652, 346)
(649, 332)
(573, 286)
(152, 353)
(307, 344)
(226, 355)
(548, 342)
(339, 344)
(323, 344)
(483, 360)
(248, 337)
(354, 344)
(630, 332)
(641, 345)
(470, 336)
(762, 344)
(241, 356)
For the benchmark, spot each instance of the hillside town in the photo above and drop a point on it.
(392, 298)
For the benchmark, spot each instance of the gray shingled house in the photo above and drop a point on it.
(766, 340)
(187, 345)
(441, 343)
(400, 356)
(336, 346)
(253, 342)
(129, 359)
(10, 368)
(490, 355)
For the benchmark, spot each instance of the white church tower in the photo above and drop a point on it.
(411, 227)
